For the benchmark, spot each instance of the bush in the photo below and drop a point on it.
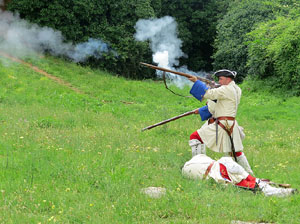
(231, 41)
(274, 53)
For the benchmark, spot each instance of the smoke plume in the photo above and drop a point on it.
(162, 34)
(165, 45)
(21, 39)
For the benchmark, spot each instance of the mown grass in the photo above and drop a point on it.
(68, 157)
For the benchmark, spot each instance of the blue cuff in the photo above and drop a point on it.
(198, 90)
(204, 113)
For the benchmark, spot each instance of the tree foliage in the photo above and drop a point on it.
(274, 53)
(231, 40)
(113, 22)
(197, 21)
(214, 33)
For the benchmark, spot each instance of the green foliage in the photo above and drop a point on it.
(274, 53)
(197, 22)
(206, 27)
(111, 21)
(231, 41)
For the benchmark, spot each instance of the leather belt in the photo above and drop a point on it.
(226, 118)
(208, 170)
(228, 130)
(212, 120)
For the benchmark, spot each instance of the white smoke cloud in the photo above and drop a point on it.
(93, 47)
(165, 45)
(21, 38)
(162, 34)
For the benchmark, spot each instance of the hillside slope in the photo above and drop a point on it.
(80, 156)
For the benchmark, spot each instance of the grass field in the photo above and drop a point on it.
(80, 157)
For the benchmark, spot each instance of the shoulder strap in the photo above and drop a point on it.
(177, 94)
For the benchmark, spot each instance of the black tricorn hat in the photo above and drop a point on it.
(225, 73)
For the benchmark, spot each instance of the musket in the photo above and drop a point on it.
(169, 120)
(276, 184)
(211, 83)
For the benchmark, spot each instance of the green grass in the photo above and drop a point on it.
(68, 157)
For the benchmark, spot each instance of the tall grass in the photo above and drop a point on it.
(69, 157)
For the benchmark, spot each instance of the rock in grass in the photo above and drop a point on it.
(154, 192)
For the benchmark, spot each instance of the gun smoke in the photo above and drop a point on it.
(22, 39)
(165, 46)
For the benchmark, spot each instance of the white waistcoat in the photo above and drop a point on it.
(228, 98)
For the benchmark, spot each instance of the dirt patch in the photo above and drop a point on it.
(42, 72)
(52, 77)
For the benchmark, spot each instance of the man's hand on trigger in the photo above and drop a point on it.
(193, 79)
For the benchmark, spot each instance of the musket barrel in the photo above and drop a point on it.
(166, 70)
(207, 81)
(168, 120)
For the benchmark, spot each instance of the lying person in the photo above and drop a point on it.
(225, 170)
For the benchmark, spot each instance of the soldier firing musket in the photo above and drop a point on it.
(210, 83)
(221, 133)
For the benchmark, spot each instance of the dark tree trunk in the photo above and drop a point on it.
(3, 6)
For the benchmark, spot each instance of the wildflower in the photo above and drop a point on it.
(155, 149)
